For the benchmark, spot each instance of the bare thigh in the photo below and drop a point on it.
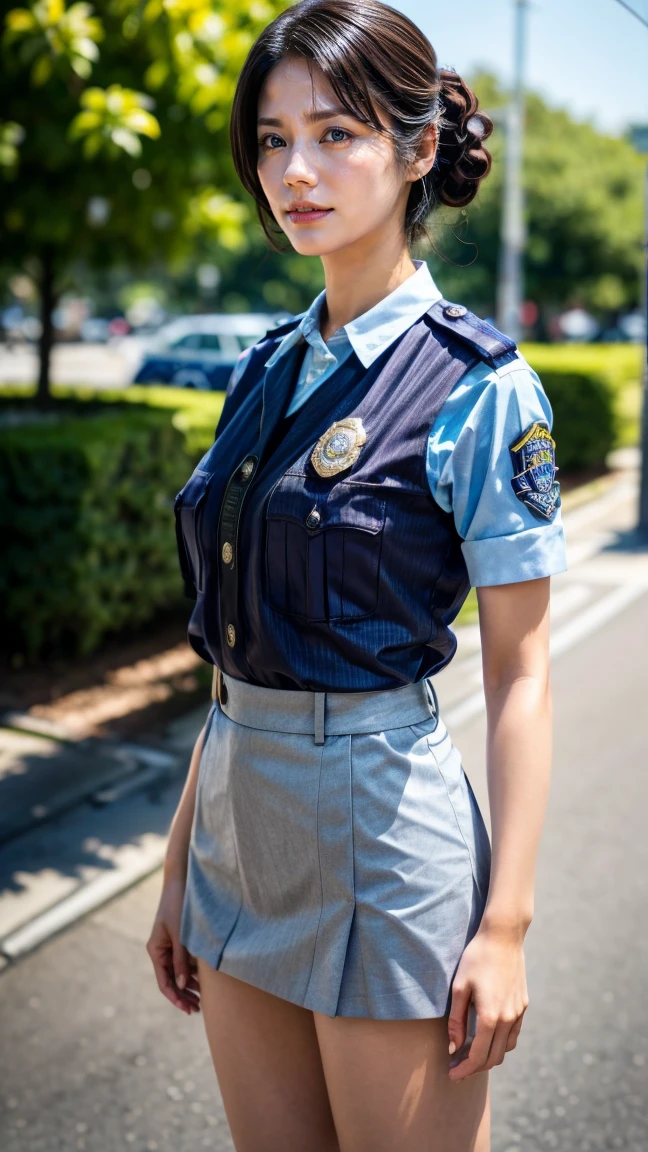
(268, 1066)
(389, 1089)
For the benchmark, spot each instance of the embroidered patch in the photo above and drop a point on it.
(534, 466)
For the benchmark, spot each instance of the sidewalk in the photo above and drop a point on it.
(82, 820)
(91, 821)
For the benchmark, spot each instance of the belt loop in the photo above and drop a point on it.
(319, 701)
(219, 689)
(432, 696)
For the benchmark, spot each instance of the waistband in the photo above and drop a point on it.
(323, 714)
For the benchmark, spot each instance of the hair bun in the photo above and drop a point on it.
(462, 160)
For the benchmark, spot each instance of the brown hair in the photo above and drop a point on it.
(372, 56)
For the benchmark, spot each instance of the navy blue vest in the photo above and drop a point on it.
(348, 582)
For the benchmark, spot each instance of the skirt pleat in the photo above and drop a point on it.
(346, 877)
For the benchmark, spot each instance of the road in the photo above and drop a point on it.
(94, 1058)
(99, 365)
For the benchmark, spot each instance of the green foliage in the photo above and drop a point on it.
(620, 366)
(86, 512)
(584, 425)
(86, 523)
(584, 215)
(126, 104)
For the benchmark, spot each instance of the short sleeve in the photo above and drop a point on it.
(509, 531)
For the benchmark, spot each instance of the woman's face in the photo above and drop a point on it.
(312, 151)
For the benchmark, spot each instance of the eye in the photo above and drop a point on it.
(264, 141)
(336, 128)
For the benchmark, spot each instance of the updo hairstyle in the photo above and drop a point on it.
(372, 56)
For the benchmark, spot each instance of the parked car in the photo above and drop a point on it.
(200, 351)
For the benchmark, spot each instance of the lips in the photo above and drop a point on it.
(307, 212)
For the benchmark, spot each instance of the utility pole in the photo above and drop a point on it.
(639, 137)
(510, 287)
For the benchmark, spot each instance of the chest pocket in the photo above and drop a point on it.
(188, 508)
(323, 548)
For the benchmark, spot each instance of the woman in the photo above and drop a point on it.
(329, 896)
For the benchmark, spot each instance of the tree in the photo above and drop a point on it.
(113, 142)
(584, 209)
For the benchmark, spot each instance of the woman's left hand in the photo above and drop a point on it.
(492, 974)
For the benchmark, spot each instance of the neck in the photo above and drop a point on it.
(360, 275)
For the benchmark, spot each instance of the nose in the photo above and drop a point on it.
(298, 171)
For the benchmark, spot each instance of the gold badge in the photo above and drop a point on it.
(339, 447)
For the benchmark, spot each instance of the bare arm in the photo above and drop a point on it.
(174, 967)
(175, 861)
(514, 624)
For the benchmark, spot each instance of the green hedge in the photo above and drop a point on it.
(86, 515)
(584, 423)
(618, 366)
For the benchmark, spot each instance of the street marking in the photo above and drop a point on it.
(566, 600)
(589, 513)
(569, 634)
(141, 864)
(595, 617)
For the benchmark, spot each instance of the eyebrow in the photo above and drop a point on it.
(309, 117)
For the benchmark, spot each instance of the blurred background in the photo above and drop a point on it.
(133, 271)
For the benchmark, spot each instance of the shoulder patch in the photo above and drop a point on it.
(534, 470)
(478, 334)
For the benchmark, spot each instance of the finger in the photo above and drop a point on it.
(168, 988)
(457, 1017)
(513, 1034)
(479, 1049)
(162, 959)
(181, 966)
(498, 1045)
(192, 1000)
(187, 997)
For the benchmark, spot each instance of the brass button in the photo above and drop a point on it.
(454, 311)
(313, 518)
(231, 635)
(247, 469)
(227, 552)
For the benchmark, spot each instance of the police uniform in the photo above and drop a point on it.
(354, 492)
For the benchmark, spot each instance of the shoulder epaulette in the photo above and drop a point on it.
(487, 341)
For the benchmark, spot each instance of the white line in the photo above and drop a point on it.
(84, 900)
(589, 621)
(465, 710)
(594, 509)
(594, 617)
(567, 599)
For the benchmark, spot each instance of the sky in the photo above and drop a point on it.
(589, 56)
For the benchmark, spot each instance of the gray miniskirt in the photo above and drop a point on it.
(338, 858)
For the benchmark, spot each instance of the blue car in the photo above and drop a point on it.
(200, 351)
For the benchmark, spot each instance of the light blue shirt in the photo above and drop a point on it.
(468, 462)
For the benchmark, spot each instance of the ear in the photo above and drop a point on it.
(426, 152)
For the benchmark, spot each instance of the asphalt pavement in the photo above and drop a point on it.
(93, 1057)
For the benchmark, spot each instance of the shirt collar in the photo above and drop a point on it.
(373, 331)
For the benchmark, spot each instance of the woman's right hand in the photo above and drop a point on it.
(175, 967)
